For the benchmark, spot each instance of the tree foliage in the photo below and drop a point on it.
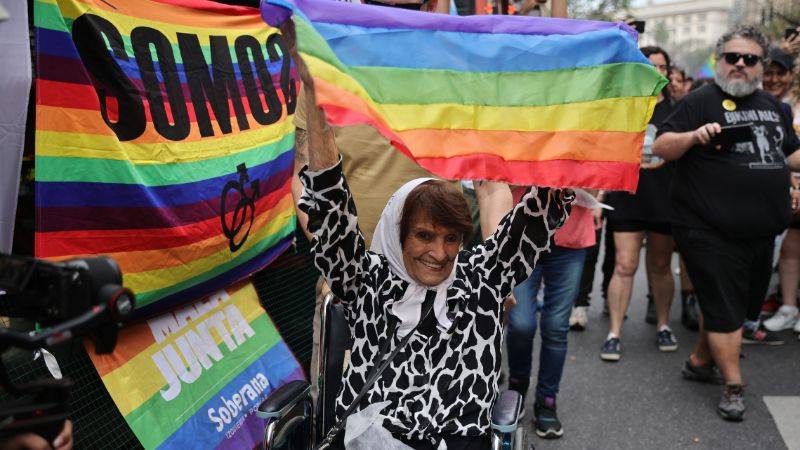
(776, 15)
(597, 9)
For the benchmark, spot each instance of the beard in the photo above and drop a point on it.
(735, 87)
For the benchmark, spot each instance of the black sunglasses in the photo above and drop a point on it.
(749, 59)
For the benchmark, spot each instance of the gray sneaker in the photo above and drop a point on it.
(731, 404)
(666, 341)
(707, 373)
(612, 350)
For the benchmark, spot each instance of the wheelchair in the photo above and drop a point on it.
(295, 421)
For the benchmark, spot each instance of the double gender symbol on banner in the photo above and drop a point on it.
(233, 225)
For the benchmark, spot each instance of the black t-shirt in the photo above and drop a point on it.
(742, 192)
(650, 203)
(787, 109)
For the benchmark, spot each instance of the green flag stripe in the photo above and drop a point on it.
(96, 170)
(557, 87)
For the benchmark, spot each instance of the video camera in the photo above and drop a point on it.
(73, 298)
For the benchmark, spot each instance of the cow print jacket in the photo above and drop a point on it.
(439, 385)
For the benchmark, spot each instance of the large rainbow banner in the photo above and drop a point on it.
(520, 99)
(164, 139)
(193, 377)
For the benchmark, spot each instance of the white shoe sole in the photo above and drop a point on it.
(610, 356)
(667, 349)
(550, 434)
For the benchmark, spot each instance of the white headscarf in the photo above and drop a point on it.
(386, 241)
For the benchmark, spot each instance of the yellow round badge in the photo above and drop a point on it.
(729, 105)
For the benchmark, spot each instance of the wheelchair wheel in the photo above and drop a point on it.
(521, 440)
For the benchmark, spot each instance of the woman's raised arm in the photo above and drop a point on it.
(321, 147)
(337, 244)
(508, 256)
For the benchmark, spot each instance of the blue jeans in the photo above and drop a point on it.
(561, 271)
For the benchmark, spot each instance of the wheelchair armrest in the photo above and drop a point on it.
(505, 412)
(281, 400)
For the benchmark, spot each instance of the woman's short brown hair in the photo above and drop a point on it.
(442, 203)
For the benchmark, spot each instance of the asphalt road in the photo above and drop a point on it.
(642, 402)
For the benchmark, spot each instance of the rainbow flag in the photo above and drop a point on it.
(519, 99)
(164, 139)
(193, 377)
(707, 71)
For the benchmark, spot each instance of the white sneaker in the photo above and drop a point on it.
(578, 318)
(784, 318)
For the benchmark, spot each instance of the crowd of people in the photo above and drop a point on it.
(718, 204)
(429, 267)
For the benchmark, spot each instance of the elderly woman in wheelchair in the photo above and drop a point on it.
(424, 315)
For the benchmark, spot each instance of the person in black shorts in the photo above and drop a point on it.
(730, 198)
(640, 215)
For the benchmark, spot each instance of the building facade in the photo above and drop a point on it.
(687, 25)
(689, 29)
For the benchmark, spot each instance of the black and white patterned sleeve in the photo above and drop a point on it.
(338, 244)
(508, 256)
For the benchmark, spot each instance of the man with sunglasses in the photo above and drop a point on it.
(730, 198)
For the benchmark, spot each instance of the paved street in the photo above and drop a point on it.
(642, 402)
